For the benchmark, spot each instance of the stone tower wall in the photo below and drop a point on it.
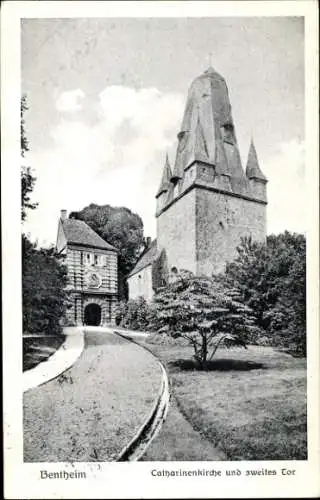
(221, 221)
(176, 232)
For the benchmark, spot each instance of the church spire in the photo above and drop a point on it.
(166, 176)
(200, 146)
(253, 170)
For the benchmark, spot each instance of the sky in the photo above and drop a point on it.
(106, 99)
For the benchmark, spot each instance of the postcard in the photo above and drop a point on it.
(160, 249)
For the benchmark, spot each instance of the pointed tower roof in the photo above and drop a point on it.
(166, 176)
(179, 163)
(200, 146)
(253, 170)
(211, 73)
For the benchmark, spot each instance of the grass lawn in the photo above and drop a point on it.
(37, 349)
(91, 411)
(250, 404)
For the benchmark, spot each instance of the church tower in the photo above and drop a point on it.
(207, 202)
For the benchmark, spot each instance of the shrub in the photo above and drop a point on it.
(136, 314)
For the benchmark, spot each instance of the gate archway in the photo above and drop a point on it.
(92, 315)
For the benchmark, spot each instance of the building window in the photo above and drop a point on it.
(96, 260)
(88, 258)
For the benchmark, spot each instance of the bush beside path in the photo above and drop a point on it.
(92, 411)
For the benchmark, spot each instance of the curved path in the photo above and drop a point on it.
(95, 408)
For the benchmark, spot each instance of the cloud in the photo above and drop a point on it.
(286, 188)
(118, 160)
(69, 102)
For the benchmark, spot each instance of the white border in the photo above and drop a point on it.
(134, 480)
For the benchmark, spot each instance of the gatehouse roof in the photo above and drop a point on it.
(77, 232)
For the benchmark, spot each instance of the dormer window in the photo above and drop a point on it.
(183, 139)
(227, 132)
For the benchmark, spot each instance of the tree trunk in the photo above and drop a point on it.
(122, 287)
(204, 350)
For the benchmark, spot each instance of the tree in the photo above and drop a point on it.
(44, 296)
(121, 228)
(44, 278)
(27, 179)
(205, 313)
(272, 280)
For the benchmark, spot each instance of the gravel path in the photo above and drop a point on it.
(90, 412)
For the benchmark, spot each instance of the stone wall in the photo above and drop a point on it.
(221, 221)
(75, 314)
(107, 304)
(201, 230)
(176, 232)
